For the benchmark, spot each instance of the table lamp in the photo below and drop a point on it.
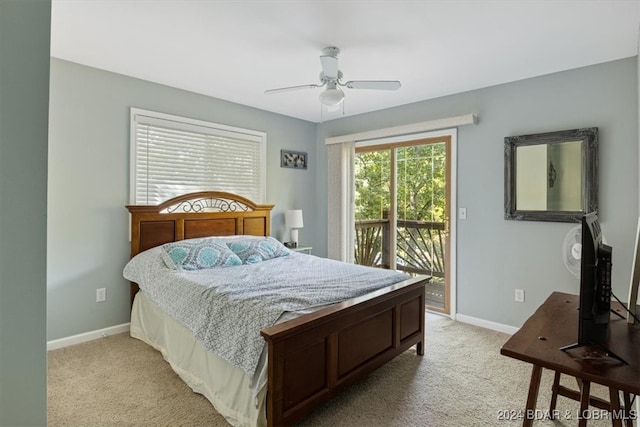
(293, 220)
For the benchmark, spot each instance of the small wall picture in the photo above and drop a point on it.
(293, 159)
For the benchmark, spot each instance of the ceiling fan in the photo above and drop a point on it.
(331, 77)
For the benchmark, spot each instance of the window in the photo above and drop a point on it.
(173, 155)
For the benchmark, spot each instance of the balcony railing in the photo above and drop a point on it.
(420, 245)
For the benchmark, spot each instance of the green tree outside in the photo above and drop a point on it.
(421, 179)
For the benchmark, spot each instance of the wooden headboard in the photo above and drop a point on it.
(202, 214)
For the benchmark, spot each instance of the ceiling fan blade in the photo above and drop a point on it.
(329, 66)
(373, 84)
(291, 88)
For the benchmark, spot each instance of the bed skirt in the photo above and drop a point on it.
(225, 386)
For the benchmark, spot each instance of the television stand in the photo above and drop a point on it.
(618, 314)
(595, 344)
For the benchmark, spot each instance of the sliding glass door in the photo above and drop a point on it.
(402, 194)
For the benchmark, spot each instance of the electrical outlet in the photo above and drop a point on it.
(519, 295)
(101, 294)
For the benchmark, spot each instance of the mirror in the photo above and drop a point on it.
(551, 176)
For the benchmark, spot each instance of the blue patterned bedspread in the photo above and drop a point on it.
(226, 308)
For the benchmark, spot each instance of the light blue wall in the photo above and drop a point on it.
(89, 184)
(496, 256)
(24, 92)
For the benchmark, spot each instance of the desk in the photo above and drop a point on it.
(554, 325)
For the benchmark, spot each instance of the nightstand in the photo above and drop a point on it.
(302, 249)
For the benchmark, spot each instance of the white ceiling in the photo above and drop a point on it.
(234, 50)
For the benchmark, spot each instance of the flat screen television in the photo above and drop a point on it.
(595, 287)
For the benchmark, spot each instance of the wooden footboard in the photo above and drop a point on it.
(315, 356)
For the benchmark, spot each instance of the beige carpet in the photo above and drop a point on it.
(461, 381)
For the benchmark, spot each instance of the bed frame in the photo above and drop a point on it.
(315, 356)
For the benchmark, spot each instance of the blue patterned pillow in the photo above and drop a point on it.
(257, 250)
(198, 254)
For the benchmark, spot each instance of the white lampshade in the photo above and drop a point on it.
(293, 218)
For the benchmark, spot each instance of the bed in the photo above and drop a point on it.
(310, 356)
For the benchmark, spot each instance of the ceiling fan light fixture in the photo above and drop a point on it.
(332, 96)
(331, 78)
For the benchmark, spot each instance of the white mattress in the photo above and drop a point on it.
(225, 386)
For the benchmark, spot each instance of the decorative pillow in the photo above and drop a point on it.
(198, 254)
(254, 250)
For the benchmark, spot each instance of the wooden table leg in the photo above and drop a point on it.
(627, 409)
(585, 390)
(532, 398)
(554, 395)
(614, 407)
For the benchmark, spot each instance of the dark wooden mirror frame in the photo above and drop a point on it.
(589, 138)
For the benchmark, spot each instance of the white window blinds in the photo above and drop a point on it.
(172, 155)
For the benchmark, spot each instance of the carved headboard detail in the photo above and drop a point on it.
(201, 214)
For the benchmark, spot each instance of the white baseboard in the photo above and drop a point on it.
(87, 336)
(487, 324)
(118, 329)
